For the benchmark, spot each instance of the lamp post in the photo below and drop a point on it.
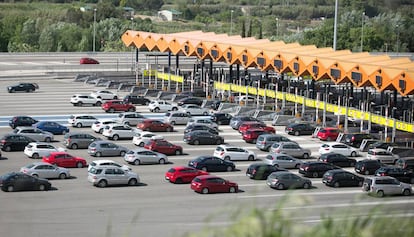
(277, 27)
(335, 23)
(231, 22)
(94, 29)
(362, 31)
(398, 38)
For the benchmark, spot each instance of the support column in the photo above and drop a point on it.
(136, 66)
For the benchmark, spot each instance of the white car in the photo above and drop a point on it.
(104, 95)
(194, 109)
(99, 125)
(97, 163)
(204, 121)
(119, 131)
(144, 156)
(339, 148)
(161, 106)
(81, 120)
(37, 150)
(34, 133)
(141, 138)
(234, 153)
(80, 100)
(248, 99)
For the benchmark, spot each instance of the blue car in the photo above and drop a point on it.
(51, 127)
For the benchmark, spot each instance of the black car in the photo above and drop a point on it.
(23, 87)
(17, 181)
(403, 175)
(17, 121)
(14, 142)
(355, 139)
(381, 144)
(261, 171)
(197, 127)
(136, 99)
(367, 166)
(298, 129)
(211, 164)
(190, 100)
(221, 118)
(342, 178)
(316, 169)
(201, 137)
(215, 104)
(337, 159)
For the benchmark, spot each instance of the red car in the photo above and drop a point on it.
(88, 61)
(212, 184)
(252, 124)
(183, 174)
(154, 125)
(64, 159)
(251, 135)
(164, 147)
(111, 106)
(328, 134)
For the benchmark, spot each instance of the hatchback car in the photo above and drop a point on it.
(251, 135)
(81, 120)
(316, 169)
(265, 141)
(80, 100)
(212, 184)
(341, 178)
(130, 118)
(119, 131)
(136, 99)
(283, 161)
(164, 147)
(221, 118)
(78, 140)
(112, 106)
(355, 139)
(290, 148)
(14, 142)
(235, 122)
(23, 87)
(106, 148)
(140, 156)
(227, 152)
(298, 129)
(46, 171)
(183, 174)
(22, 121)
(18, 181)
(244, 126)
(338, 148)
(97, 163)
(194, 109)
(382, 155)
(287, 180)
(367, 166)
(103, 176)
(203, 121)
(328, 134)
(200, 137)
(37, 150)
(161, 106)
(385, 185)
(211, 164)
(140, 138)
(198, 127)
(154, 125)
(64, 159)
(98, 126)
(88, 61)
(52, 127)
(34, 133)
(260, 171)
(337, 159)
(403, 175)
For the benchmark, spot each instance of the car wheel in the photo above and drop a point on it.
(11, 91)
(48, 139)
(35, 156)
(297, 133)
(353, 154)
(111, 110)
(196, 142)
(132, 182)
(315, 175)
(179, 181)
(360, 183)
(205, 169)
(115, 137)
(161, 161)
(174, 109)
(232, 190)
(100, 131)
(74, 146)
(79, 165)
(352, 164)
(79, 125)
(306, 185)
(42, 187)
(156, 110)
(98, 103)
(366, 172)
(178, 152)
(297, 166)
(122, 153)
(205, 113)
(35, 175)
(305, 156)
(412, 180)
(218, 142)
(219, 122)
(280, 186)
(10, 188)
(64, 132)
(251, 158)
(127, 123)
(380, 193)
(79, 103)
(204, 191)
(146, 103)
(7, 148)
(169, 129)
(141, 144)
(227, 158)
(131, 109)
(137, 162)
(229, 168)
(62, 176)
(102, 184)
(173, 123)
(406, 192)
(98, 154)
(336, 184)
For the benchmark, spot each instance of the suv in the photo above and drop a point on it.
(118, 131)
(136, 99)
(328, 134)
(190, 100)
(177, 117)
(21, 121)
(25, 87)
(355, 139)
(381, 186)
(78, 140)
(401, 174)
(161, 106)
(367, 166)
(405, 163)
(130, 118)
(221, 118)
(382, 155)
(291, 148)
(234, 153)
(265, 141)
(342, 178)
(117, 105)
(80, 100)
(316, 169)
(82, 120)
(103, 176)
(298, 129)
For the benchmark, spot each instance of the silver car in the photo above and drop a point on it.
(283, 161)
(102, 176)
(203, 121)
(130, 118)
(144, 156)
(106, 148)
(287, 180)
(290, 148)
(45, 170)
(386, 185)
(78, 140)
(97, 163)
(34, 133)
(81, 120)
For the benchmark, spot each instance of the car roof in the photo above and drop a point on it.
(103, 161)
(207, 176)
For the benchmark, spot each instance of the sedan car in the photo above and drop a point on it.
(244, 126)
(298, 129)
(287, 180)
(140, 156)
(163, 146)
(203, 121)
(106, 148)
(97, 163)
(18, 181)
(34, 133)
(212, 184)
(112, 106)
(23, 87)
(52, 127)
(315, 169)
(260, 171)
(211, 164)
(37, 150)
(104, 95)
(197, 127)
(102, 176)
(183, 174)
(64, 159)
(342, 178)
(45, 170)
(290, 148)
(337, 159)
(283, 161)
(338, 148)
(227, 152)
(200, 137)
(194, 109)
(88, 61)
(14, 142)
(154, 125)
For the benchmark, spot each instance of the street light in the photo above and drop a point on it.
(231, 22)
(362, 31)
(94, 29)
(277, 27)
(398, 38)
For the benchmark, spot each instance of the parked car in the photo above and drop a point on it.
(98, 126)
(140, 138)
(154, 125)
(367, 166)
(291, 148)
(328, 134)
(201, 137)
(283, 161)
(80, 100)
(265, 141)
(402, 175)
(97, 163)
(161, 106)
(386, 186)
(382, 145)
(14, 142)
(194, 109)
(88, 61)
(260, 171)
(103, 176)
(355, 139)
(203, 121)
(287, 180)
(177, 117)
(211, 164)
(183, 174)
(163, 146)
(81, 120)
(23, 87)
(104, 95)
(337, 159)
(245, 99)
(136, 99)
(212, 184)
(198, 127)
(339, 148)
(342, 178)
(228, 152)
(316, 169)
(78, 140)
(52, 127)
(190, 100)
(112, 106)
(105, 148)
(37, 150)
(64, 159)
(45, 171)
(251, 135)
(17, 121)
(235, 122)
(221, 118)
(298, 129)
(382, 155)
(406, 163)
(215, 104)
(140, 156)
(18, 181)
(119, 131)
(244, 126)
(130, 118)
(34, 133)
